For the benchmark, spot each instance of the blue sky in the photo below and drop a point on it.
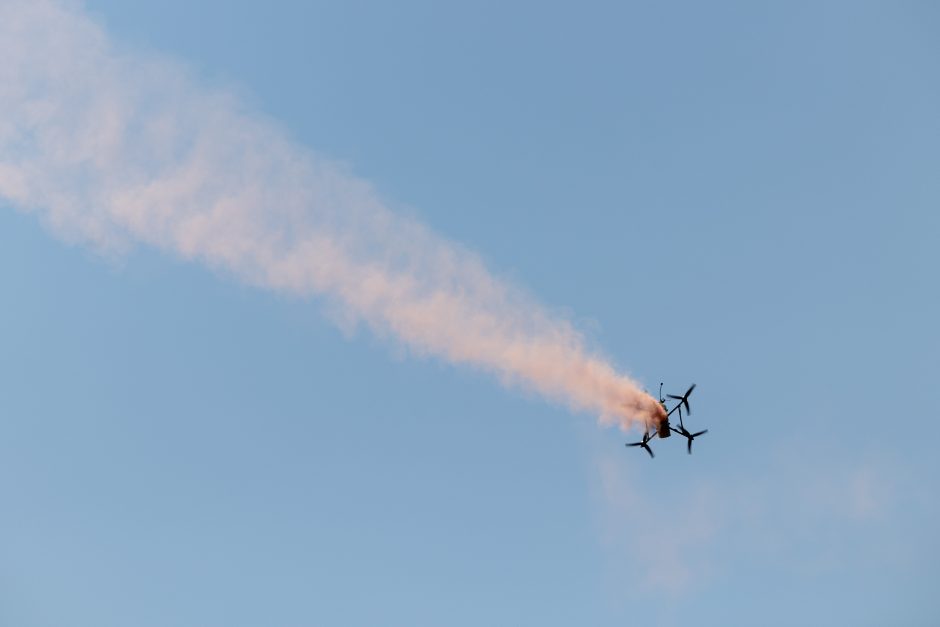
(741, 196)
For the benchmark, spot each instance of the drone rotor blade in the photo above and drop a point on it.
(695, 435)
(690, 446)
(678, 398)
(689, 391)
(634, 444)
(650, 451)
(688, 410)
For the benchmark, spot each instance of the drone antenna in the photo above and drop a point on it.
(661, 399)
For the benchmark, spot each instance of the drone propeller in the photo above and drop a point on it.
(692, 436)
(643, 443)
(684, 400)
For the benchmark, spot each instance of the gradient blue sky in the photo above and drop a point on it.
(738, 195)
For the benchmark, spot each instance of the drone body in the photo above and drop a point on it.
(663, 429)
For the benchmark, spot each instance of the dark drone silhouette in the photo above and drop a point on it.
(663, 428)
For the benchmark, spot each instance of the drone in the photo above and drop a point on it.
(663, 429)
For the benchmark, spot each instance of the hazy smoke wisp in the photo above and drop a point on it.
(113, 148)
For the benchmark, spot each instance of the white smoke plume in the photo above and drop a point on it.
(113, 148)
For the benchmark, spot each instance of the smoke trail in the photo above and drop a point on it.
(112, 148)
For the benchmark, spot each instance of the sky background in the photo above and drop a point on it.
(736, 195)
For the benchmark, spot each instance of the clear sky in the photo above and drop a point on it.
(742, 195)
